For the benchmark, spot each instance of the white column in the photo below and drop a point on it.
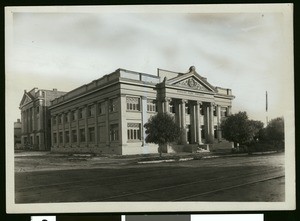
(219, 134)
(211, 121)
(198, 123)
(183, 122)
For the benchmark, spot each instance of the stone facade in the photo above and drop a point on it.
(108, 114)
(35, 117)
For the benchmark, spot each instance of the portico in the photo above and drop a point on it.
(195, 104)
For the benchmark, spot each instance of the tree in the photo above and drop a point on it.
(274, 132)
(256, 128)
(161, 129)
(238, 129)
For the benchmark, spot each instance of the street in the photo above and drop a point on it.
(244, 178)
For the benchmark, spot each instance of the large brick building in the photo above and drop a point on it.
(35, 118)
(108, 114)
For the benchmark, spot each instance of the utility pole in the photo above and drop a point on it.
(267, 121)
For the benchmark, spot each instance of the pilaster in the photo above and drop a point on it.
(86, 126)
(107, 121)
(96, 124)
(63, 128)
(144, 119)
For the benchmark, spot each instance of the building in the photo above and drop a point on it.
(108, 114)
(17, 134)
(35, 117)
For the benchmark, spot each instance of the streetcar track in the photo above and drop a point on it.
(227, 188)
(114, 177)
(179, 185)
(257, 172)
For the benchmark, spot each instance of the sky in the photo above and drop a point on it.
(247, 52)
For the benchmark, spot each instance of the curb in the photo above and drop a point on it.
(203, 157)
(165, 161)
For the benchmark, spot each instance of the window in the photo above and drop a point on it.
(74, 136)
(60, 137)
(101, 108)
(91, 134)
(54, 120)
(59, 119)
(89, 111)
(134, 131)
(113, 105)
(66, 118)
(54, 138)
(80, 114)
(67, 136)
(151, 106)
(114, 132)
(73, 116)
(37, 140)
(133, 103)
(82, 135)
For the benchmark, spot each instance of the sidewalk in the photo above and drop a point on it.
(41, 161)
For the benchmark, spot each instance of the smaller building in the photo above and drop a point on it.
(17, 134)
(35, 118)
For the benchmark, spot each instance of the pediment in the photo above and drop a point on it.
(26, 99)
(193, 83)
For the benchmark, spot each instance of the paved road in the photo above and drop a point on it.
(247, 178)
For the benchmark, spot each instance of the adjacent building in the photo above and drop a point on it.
(35, 117)
(17, 134)
(108, 114)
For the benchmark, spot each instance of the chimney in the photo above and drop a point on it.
(18, 120)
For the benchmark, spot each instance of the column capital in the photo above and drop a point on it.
(183, 101)
(144, 97)
(168, 99)
(198, 102)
